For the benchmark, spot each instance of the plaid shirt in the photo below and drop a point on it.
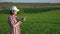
(12, 20)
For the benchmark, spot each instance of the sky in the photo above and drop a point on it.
(32, 1)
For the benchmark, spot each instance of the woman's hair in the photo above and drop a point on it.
(11, 13)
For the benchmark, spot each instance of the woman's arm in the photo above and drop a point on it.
(16, 24)
(11, 22)
(19, 22)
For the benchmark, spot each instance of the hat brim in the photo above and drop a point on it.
(17, 10)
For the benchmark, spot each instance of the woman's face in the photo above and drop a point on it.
(14, 12)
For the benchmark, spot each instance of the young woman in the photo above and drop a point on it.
(14, 22)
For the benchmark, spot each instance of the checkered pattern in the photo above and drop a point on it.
(12, 20)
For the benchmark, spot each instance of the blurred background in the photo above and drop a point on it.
(43, 16)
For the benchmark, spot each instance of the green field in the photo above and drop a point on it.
(40, 20)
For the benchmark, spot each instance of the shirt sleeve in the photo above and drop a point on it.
(11, 21)
(17, 19)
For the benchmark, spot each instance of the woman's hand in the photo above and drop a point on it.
(23, 19)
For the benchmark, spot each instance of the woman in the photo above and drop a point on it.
(14, 22)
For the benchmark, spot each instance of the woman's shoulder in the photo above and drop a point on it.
(9, 16)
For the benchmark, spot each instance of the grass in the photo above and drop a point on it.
(36, 23)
